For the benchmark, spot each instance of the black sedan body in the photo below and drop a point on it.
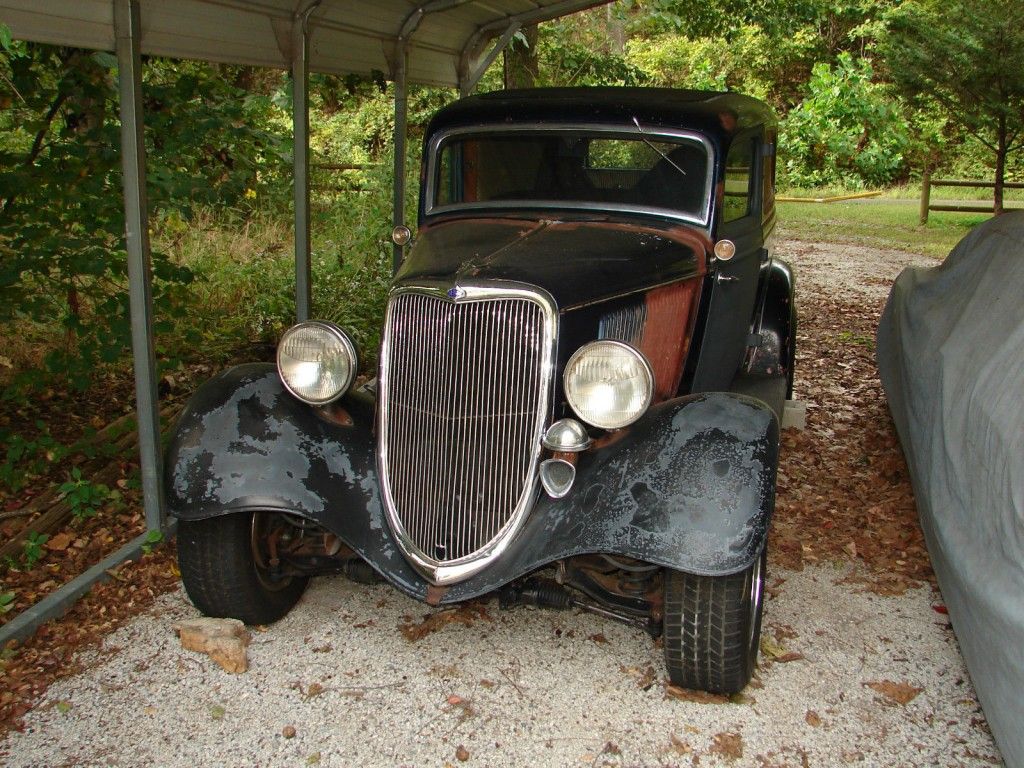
(585, 357)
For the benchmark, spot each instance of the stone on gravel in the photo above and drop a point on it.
(223, 640)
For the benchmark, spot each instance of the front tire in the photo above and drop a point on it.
(713, 628)
(222, 567)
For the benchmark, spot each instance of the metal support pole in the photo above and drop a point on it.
(926, 195)
(136, 223)
(401, 125)
(300, 157)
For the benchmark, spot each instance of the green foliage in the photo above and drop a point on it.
(744, 65)
(7, 601)
(152, 539)
(25, 458)
(966, 56)
(83, 496)
(567, 60)
(847, 130)
(32, 549)
(62, 257)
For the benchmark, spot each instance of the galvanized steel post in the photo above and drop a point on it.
(401, 121)
(300, 159)
(136, 218)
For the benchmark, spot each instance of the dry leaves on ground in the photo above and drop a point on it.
(466, 615)
(27, 670)
(898, 693)
(844, 489)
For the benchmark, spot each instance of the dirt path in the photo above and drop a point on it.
(859, 664)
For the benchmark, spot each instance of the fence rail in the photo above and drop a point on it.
(927, 182)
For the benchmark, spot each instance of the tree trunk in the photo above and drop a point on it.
(520, 61)
(1000, 167)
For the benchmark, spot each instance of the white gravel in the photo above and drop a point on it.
(528, 688)
(533, 688)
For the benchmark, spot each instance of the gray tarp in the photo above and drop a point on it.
(951, 357)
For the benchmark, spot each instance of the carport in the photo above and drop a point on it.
(441, 42)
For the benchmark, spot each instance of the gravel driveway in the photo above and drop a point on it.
(846, 677)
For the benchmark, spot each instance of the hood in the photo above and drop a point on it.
(577, 262)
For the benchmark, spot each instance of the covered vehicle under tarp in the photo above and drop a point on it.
(951, 358)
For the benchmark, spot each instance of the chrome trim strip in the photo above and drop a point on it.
(449, 572)
(702, 217)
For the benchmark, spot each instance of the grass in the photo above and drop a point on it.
(889, 224)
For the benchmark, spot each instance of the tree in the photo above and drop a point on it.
(967, 56)
(520, 59)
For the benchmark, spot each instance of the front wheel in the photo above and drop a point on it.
(224, 567)
(713, 628)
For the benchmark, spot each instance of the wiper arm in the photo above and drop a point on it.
(651, 144)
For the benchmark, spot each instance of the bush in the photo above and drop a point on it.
(847, 131)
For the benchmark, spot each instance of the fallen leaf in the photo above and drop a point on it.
(63, 707)
(217, 712)
(771, 649)
(728, 745)
(812, 718)
(791, 656)
(288, 731)
(59, 542)
(679, 746)
(599, 638)
(454, 700)
(900, 693)
(313, 689)
(698, 697)
(462, 754)
(466, 614)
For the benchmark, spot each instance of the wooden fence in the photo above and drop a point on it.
(927, 182)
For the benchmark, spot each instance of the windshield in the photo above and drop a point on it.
(643, 172)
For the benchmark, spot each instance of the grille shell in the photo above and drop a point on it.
(465, 388)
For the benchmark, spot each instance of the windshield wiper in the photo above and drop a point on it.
(651, 144)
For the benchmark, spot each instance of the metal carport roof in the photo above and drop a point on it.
(444, 39)
(432, 42)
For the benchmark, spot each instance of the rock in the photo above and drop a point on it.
(223, 640)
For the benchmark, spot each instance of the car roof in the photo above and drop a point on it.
(719, 115)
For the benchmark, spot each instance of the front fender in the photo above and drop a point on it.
(689, 486)
(245, 444)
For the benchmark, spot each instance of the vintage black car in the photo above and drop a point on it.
(585, 357)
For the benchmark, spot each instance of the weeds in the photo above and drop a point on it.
(152, 539)
(25, 458)
(32, 551)
(84, 497)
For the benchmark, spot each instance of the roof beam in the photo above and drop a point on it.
(475, 43)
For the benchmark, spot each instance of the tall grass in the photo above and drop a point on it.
(244, 293)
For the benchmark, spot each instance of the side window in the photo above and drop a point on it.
(768, 176)
(739, 169)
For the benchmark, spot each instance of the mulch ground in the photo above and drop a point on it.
(843, 495)
(844, 489)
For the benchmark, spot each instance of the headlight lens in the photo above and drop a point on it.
(316, 361)
(609, 384)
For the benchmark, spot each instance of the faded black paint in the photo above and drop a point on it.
(691, 486)
(577, 262)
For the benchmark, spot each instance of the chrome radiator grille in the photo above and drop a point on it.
(464, 393)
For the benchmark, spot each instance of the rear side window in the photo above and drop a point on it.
(768, 177)
(739, 169)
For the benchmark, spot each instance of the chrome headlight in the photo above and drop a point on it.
(609, 384)
(316, 361)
